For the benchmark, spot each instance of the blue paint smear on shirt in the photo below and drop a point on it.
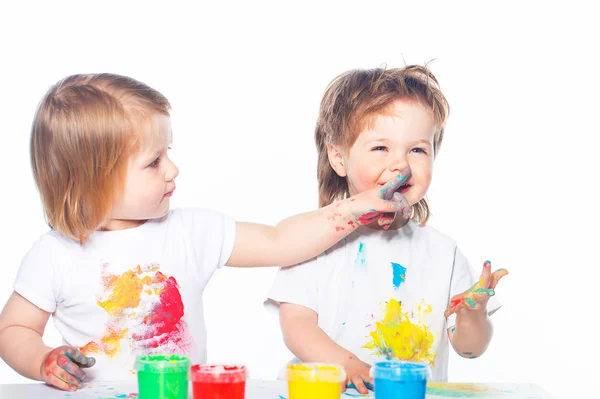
(399, 274)
(361, 260)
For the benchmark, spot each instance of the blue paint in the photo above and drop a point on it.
(399, 274)
(453, 329)
(361, 260)
(397, 379)
(368, 385)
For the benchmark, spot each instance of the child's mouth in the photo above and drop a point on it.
(404, 188)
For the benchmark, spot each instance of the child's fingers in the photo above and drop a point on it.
(359, 385)
(368, 218)
(62, 380)
(79, 358)
(484, 280)
(404, 204)
(451, 310)
(394, 184)
(386, 219)
(496, 276)
(70, 367)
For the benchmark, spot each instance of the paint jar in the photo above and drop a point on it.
(315, 380)
(398, 379)
(218, 381)
(162, 376)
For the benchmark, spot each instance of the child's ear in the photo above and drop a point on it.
(336, 160)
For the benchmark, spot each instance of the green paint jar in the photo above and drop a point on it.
(162, 376)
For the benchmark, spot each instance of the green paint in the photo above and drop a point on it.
(163, 377)
(471, 303)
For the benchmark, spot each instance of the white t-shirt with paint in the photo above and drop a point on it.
(351, 287)
(130, 292)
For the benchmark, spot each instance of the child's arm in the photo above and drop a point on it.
(21, 347)
(473, 331)
(306, 235)
(305, 339)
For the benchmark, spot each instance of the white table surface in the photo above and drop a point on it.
(258, 389)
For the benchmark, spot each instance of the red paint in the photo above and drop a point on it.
(334, 215)
(218, 382)
(351, 223)
(338, 228)
(164, 321)
(368, 218)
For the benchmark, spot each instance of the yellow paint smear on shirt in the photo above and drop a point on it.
(126, 292)
(397, 337)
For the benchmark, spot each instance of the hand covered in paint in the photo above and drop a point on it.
(381, 204)
(478, 295)
(62, 368)
(357, 374)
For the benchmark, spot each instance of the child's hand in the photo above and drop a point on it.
(382, 203)
(62, 368)
(357, 373)
(479, 294)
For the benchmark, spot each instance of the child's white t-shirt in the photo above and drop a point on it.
(130, 292)
(350, 284)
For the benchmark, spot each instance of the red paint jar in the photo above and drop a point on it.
(218, 381)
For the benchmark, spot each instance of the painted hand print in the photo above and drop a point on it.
(146, 314)
(400, 338)
(478, 294)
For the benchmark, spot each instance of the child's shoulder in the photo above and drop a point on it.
(49, 247)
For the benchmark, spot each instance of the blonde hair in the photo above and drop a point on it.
(83, 132)
(349, 103)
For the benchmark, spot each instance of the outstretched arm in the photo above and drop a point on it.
(304, 236)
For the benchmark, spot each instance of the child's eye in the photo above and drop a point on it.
(419, 150)
(154, 163)
(379, 148)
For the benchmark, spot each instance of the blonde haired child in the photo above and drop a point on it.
(401, 293)
(120, 273)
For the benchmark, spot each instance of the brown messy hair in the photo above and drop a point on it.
(352, 99)
(83, 130)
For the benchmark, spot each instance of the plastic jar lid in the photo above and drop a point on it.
(315, 372)
(162, 364)
(400, 371)
(222, 373)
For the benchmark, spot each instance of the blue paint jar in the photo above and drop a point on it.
(398, 379)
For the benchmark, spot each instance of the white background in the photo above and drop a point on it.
(516, 180)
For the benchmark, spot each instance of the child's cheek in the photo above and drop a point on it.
(364, 179)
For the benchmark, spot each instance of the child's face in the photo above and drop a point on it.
(399, 138)
(150, 179)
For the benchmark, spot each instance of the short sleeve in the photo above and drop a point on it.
(295, 284)
(463, 278)
(37, 278)
(211, 237)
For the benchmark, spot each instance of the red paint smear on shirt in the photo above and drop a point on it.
(165, 319)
